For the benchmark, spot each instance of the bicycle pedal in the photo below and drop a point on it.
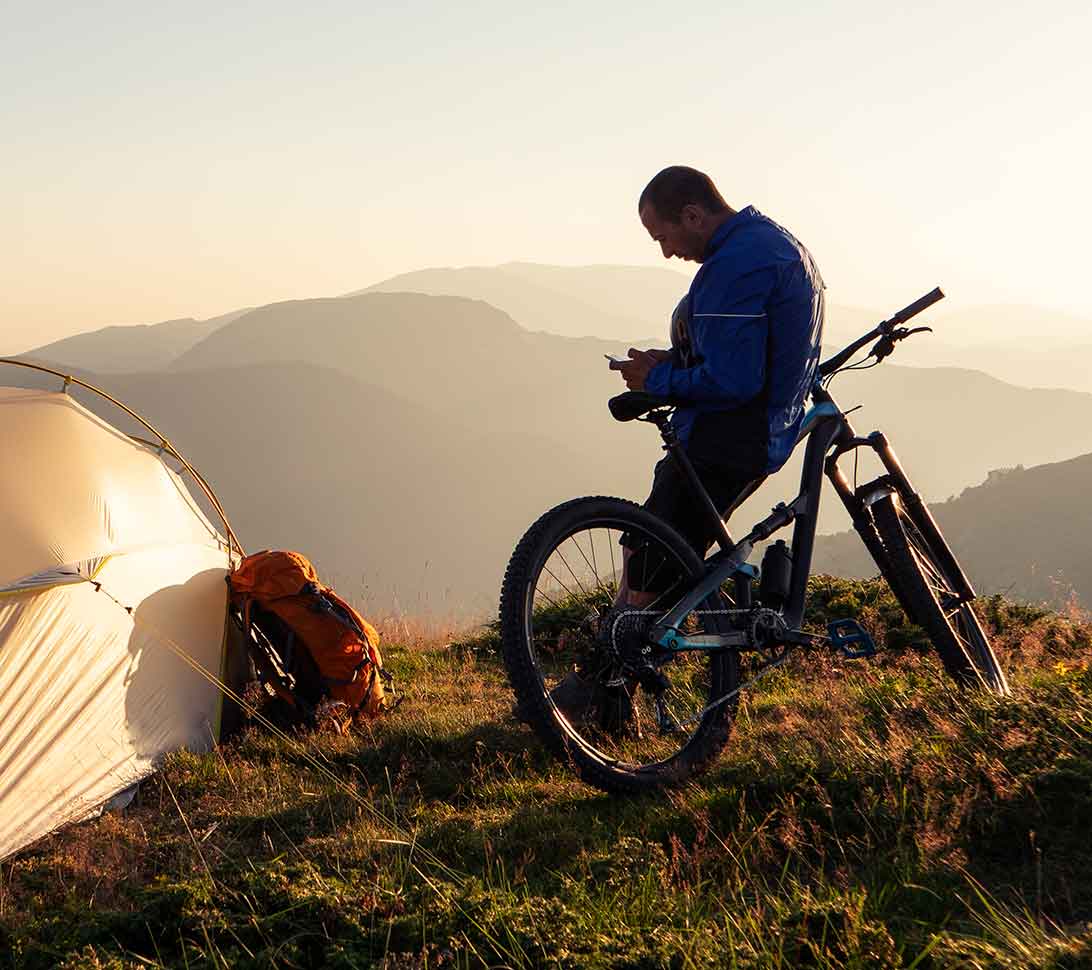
(849, 637)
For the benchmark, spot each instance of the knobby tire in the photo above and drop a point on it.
(957, 636)
(516, 610)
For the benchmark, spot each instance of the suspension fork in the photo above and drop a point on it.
(922, 518)
(895, 480)
(857, 505)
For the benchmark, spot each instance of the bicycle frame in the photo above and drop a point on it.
(829, 436)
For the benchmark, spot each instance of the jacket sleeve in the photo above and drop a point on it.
(729, 329)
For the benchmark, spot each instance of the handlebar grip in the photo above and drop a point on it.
(917, 306)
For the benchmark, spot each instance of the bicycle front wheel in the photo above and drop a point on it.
(930, 600)
(587, 679)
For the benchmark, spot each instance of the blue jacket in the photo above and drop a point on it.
(755, 322)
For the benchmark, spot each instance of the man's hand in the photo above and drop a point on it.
(640, 363)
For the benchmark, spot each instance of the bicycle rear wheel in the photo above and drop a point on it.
(930, 600)
(587, 679)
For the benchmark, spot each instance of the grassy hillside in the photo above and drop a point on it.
(864, 815)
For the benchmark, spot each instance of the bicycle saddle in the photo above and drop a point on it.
(634, 404)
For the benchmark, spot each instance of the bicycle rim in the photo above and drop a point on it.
(622, 702)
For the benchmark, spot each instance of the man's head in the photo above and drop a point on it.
(681, 208)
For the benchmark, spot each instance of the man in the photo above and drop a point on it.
(750, 331)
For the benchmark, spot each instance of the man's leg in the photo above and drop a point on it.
(636, 599)
(672, 499)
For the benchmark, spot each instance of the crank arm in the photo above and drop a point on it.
(673, 641)
(801, 638)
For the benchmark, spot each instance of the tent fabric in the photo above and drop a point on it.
(58, 576)
(112, 591)
(116, 494)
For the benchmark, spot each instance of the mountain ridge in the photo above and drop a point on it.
(631, 304)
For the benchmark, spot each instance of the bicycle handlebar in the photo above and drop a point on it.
(934, 296)
(838, 360)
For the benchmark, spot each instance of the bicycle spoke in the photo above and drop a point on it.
(576, 578)
(546, 597)
(646, 579)
(549, 591)
(587, 562)
(919, 549)
(932, 576)
(568, 591)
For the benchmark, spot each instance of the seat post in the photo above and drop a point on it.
(675, 449)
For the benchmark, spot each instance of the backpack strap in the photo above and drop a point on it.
(389, 687)
(321, 603)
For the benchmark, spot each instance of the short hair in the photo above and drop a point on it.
(678, 186)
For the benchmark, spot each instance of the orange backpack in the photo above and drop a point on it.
(343, 646)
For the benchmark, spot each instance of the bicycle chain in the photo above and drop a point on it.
(679, 725)
(618, 619)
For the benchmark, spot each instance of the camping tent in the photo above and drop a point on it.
(112, 599)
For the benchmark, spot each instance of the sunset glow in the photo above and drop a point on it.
(165, 165)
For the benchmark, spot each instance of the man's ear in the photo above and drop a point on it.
(692, 216)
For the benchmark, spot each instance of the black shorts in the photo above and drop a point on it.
(673, 500)
(728, 450)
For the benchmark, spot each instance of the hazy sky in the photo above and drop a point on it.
(186, 161)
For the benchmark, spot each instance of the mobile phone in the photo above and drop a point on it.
(616, 362)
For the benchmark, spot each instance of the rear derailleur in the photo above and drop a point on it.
(634, 663)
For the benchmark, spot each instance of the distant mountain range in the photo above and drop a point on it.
(1027, 346)
(618, 303)
(1024, 531)
(1028, 362)
(116, 350)
(1015, 323)
(399, 505)
(611, 302)
(465, 359)
(405, 441)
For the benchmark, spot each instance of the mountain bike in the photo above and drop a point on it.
(636, 698)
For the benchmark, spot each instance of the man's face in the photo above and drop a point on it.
(685, 238)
